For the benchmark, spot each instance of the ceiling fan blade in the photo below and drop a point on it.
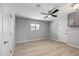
(45, 16)
(51, 10)
(44, 13)
(54, 15)
(55, 11)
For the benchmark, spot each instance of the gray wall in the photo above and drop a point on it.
(73, 36)
(23, 31)
(53, 30)
(60, 27)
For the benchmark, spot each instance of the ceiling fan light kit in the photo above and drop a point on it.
(49, 16)
(50, 13)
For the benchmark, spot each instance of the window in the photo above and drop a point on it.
(35, 27)
(32, 27)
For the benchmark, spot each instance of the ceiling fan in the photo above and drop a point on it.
(50, 13)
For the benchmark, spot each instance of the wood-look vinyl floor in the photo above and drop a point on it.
(45, 48)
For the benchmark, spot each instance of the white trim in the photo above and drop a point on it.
(66, 43)
(61, 41)
(58, 40)
(32, 40)
(69, 44)
(53, 39)
(72, 45)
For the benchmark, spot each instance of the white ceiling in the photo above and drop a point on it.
(30, 10)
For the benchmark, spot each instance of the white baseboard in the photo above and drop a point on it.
(69, 44)
(61, 41)
(57, 40)
(32, 40)
(53, 39)
(66, 43)
(72, 45)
